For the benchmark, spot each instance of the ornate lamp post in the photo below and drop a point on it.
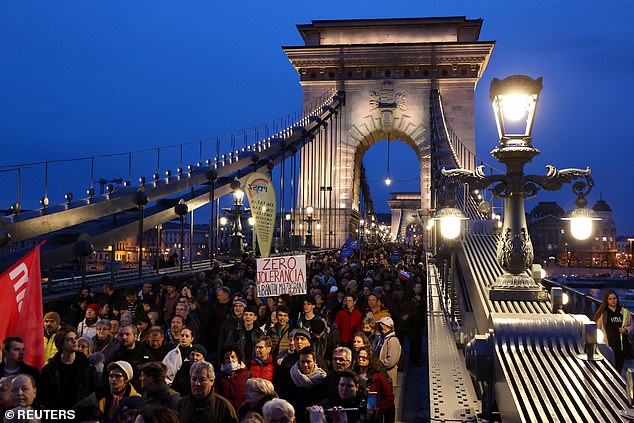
(361, 234)
(236, 236)
(181, 210)
(288, 229)
(141, 200)
(212, 175)
(309, 228)
(514, 103)
(223, 232)
(251, 221)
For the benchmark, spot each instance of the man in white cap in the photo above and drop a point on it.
(388, 348)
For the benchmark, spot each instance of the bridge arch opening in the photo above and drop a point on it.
(404, 157)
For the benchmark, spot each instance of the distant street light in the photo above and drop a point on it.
(309, 228)
(181, 210)
(236, 236)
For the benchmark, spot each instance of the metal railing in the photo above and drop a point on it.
(107, 170)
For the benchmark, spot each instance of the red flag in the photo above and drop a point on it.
(21, 306)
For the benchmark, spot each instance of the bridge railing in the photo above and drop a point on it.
(59, 180)
(577, 302)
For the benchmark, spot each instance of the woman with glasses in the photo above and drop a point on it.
(369, 369)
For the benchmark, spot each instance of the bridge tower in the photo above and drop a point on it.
(387, 69)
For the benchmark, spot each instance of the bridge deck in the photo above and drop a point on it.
(452, 396)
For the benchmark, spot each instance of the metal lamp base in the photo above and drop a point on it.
(515, 294)
(510, 287)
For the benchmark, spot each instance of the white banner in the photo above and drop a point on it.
(281, 275)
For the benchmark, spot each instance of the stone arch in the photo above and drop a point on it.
(414, 139)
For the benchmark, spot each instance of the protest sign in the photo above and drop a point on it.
(281, 275)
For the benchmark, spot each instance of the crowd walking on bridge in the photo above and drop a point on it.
(211, 350)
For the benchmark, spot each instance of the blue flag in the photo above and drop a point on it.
(347, 249)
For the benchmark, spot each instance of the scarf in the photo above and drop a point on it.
(306, 381)
(261, 362)
(379, 344)
(113, 413)
(228, 369)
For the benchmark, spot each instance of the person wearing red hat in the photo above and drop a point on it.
(88, 326)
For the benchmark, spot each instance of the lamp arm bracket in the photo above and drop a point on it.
(475, 178)
(555, 179)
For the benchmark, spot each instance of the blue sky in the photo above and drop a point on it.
(80, 78)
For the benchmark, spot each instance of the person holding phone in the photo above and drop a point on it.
(350, 398)
(380, 393)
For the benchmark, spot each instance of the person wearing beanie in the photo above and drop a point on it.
(88, 326)
(246, 333)
(321, 341)
(282, 376)
(388, 347)
(231, 322)
(109, 397)
(51, 325)
(181, 382)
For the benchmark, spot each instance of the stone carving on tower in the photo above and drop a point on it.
(386, 102)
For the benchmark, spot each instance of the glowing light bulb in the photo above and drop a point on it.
(515, 106)
(581, 227)
(450, 227)
(388, 181)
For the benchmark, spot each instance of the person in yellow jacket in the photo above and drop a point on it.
(107, 398)
(51, 325)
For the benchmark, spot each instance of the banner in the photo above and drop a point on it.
(21, 306)
(281, 275)
(263, 203)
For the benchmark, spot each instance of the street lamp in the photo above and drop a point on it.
(251, 221)
(181, 210)
(514, 101)
(309, 228)
(223, 235)
(450, 219)
(141, 200)
(236, 236)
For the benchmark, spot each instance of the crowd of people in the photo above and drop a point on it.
(210, 350)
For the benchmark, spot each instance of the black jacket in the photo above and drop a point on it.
(136, 356)
(213, 408)
(51, 394)
(163, 396)
(237, 336)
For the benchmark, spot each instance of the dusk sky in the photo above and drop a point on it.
(81, 78)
